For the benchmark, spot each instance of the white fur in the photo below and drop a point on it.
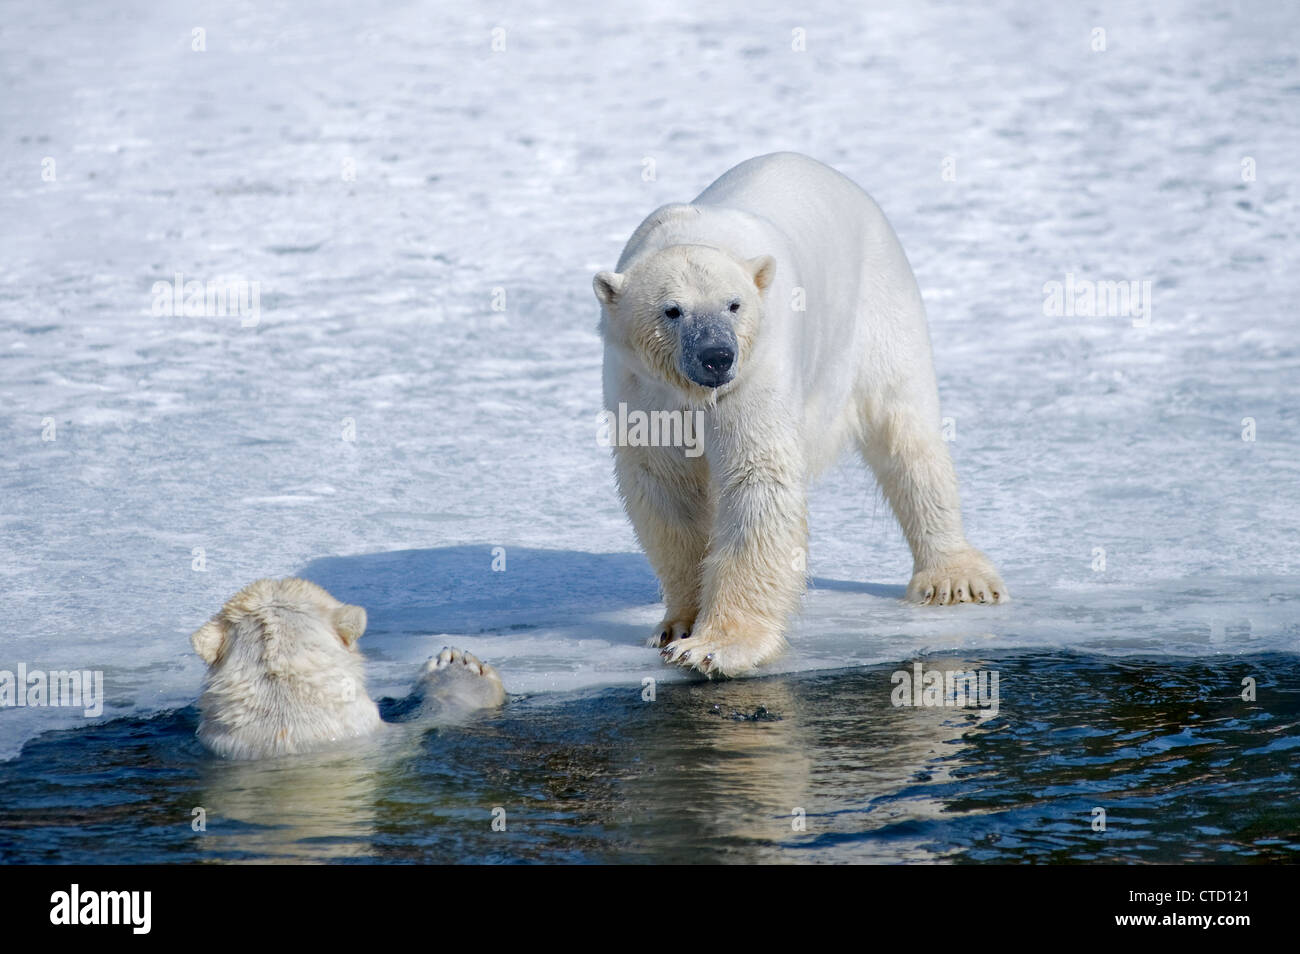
(726, 531)
(285, 675)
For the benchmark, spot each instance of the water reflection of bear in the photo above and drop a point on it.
(825, 760)
(729, 764)
(317, 806)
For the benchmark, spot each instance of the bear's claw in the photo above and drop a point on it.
(965, 577)
(669, 631)
(453, 657)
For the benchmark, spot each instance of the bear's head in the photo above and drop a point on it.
(689, 314)
(284, 671)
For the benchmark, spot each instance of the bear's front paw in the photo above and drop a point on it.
(460, 678)
(717, 649)
(673, 627)
(963, 577)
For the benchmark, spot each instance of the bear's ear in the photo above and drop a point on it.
(208, 640)
(763, 269)
(607, 286)
(350, 621)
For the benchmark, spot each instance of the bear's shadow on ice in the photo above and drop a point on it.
(458, 590)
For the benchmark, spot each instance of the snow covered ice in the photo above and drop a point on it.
(487, 178)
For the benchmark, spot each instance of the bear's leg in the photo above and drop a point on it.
(666, 496)
(754, 573)
(913, 467)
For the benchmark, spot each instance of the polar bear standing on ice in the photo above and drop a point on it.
(780, 305)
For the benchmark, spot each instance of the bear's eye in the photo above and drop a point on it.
(674, 312)
(734, 306)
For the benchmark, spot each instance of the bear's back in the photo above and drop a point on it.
(785, 186)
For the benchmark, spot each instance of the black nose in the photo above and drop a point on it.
(717, 360)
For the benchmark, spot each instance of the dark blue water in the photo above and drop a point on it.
(1184, 769)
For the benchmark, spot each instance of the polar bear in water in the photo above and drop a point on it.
(285, 675)
(779, 306)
